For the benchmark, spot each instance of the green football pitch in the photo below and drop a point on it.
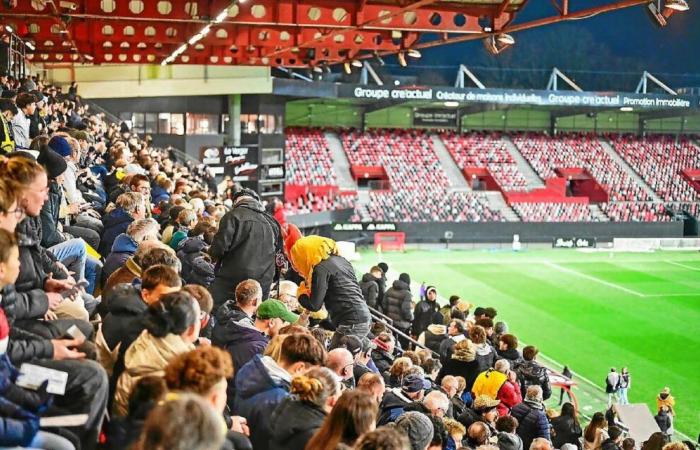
(591, 311)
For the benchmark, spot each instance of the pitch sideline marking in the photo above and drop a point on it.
(592, 278)
(685, 266)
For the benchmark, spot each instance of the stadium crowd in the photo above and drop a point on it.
(189, 317)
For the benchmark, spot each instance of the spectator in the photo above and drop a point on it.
(612, 386)
(185, 220)
(245, 247)
(462, 363)
(197, 267)
(614, 439)
(485, 355)
(341, 362)
(126, 244)
(455, 432)
(450, 386)
(417, 427)
(625, 385)
(263, 383)
(483, 409)
(433, 336)
(596, 432)
(26, 105)
(426, 312)
(499, 384)
(383, 356)
(329, 279)
(370, 287)
(478, 434)
(436, 403)
(383, 438)
(531, 417)
(148, 254)
(532, 373)
(666, 399)
(507, 437)
(663, 420)
(298, 417)
(172, 327)
(8, 110)
(353, 415)
(628, 444)
(541, 444)
(372, 384)
(397, 303)
(566, 428)
(456, 330)
(130, 207)
(508, 349)
(393, 404)
(184, 422)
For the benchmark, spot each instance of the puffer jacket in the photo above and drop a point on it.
(245, 247)
(261, 385)
(532, 421)
(115, 223)
(147, 356)
(49, 217)
(486, 356)
(196, 268)
(397, 304)
(426, 312)
(123, 248)
(23, 346)
(294, 423)
(433, 337)
(531, 373)
(370, 290)
(235, 332)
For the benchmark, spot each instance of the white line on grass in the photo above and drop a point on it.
(685, 266)
(673, 295)
(592, 278)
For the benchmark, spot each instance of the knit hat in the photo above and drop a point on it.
(417, 427)
(406, 278)
(245, 192)
(60, 145)
(414, 383)
(54, 164)
(484, 403)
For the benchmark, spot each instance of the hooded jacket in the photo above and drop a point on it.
(425, 313)
(486, 356)
(566, 431)
(125, 274)
(329, 280)
(123, 311)
(123, 248)
(245, 246)
(147, 356)
(433, 337)
(531, 373)
(235, 332)
(462, 363)
(392, 406)
(397, 304)
(509, 441)
(195, 267)
(294, 423)
(261, 385)
(115, 223)
(23, 345)
(532, 421)
(370, 290)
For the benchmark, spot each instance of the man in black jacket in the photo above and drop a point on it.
(530, 373)
(397, 303)
(245, 247)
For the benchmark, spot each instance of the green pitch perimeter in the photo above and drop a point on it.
(591, 311)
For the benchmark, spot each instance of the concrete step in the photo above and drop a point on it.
(533, 180)
(619, 160)
(498, 203)
(454, 174)
(340, 163)
(597, 213)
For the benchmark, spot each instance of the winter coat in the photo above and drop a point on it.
(196, 269)
(31, 301)
(486, 356)
(123, 248)
(397, 305)
(532, 421)
(115, 223)
(129, 272)
(565, 430)
(392, 406)
(179, 236)
(123, 316)
(424, 313)
(147, 356)
(334, 285)
(245, 247)
(663, 420)
(370, 290)
(489, 383)
(609, 444)
(158, 194)
(467, 369)
(293, 424)
(513, 356)
(531, 373)
(235, 332)
(23, 346)
(261, 385)
(509, 395)
(49, 217)
(433, 337)
(447, 346)
(509, 441)
(382, 360)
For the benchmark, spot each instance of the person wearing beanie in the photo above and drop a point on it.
(396, 400)
(418, 427)
(397, 303)
(60, 145)
(426, 312)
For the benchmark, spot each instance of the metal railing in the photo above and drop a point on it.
(382, 318)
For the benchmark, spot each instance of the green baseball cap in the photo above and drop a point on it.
(275, 309)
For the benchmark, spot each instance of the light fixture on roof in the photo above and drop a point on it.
(9, 29)
(402, 59)
(413, 53)
(357, 63)
(496, 44)
(505, 39)
(626, 109)
(677, 5)
(451, 104)
(89, 57)
(30, 46)
(317, 69)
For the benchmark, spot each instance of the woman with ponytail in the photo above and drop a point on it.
(172, 327)
(300, 415)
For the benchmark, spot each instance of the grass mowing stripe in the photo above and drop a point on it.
(592, 278)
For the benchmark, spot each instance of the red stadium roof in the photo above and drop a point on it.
(289, 33)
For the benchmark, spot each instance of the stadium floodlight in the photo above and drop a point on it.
(677, 5)
(451, 104)
(317, 69)
(413, 53)
(505, 39)
(357, 63)
(30, 46)
(626, 109)
(402, 59)
(496, 44)
(9, 29)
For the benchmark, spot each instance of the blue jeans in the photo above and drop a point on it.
(73, 254)
(623, 396)
(45, 441)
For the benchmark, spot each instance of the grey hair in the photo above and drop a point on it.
(143, 230)
(435, 400)
(534, 392)
(502, 365)
(541, 444)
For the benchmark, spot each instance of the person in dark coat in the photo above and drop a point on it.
(299, 416)
(614, 439)
(263, 383)
(330, 281)
(530, 372)
(397, 303)
(197, 267)
(663, 420)
(370, 287)
(124, 247)
(130, 207)
(425, 311)
(382, 282)
(245, 247)
(532, 420)
(237, 333)
(383, 355)
(462, 363)
(566, 428)
(508, 349)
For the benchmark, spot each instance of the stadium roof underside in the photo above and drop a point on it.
(278, 33)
